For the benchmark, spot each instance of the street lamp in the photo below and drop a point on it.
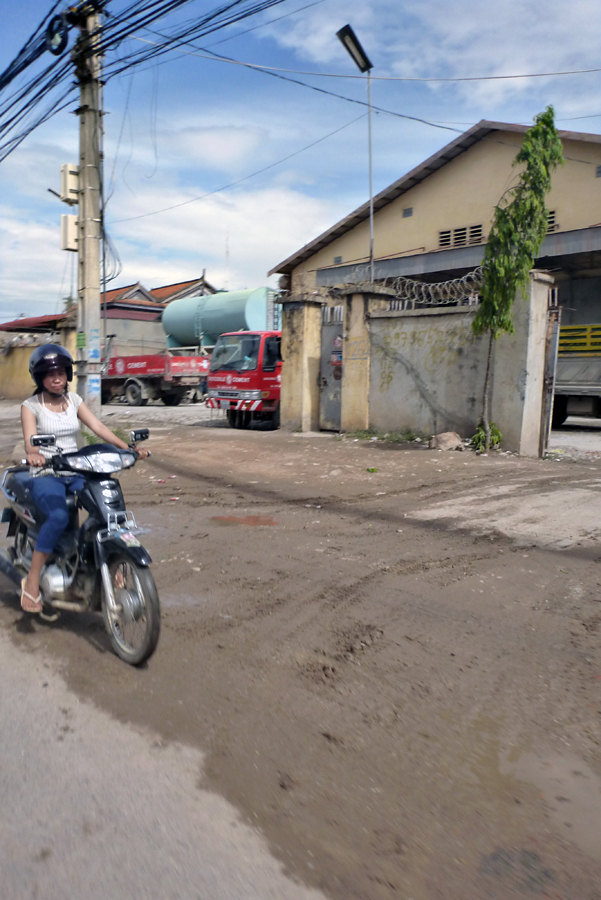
(351, 44)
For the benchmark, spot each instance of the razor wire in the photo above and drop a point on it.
(405, 292)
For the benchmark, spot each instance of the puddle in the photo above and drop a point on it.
(243, 520)
(569, 787)
(572, 792)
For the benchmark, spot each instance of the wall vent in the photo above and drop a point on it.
(337, 260)
(551, 223)
(408, 211)
(460, 237)
(598, 171)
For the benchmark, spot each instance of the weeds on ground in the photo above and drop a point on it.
(390, 437)
(402, 437)
(91, 438)
(478, 441)
(364, 435)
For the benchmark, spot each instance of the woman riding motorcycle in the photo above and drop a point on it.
(53, 410)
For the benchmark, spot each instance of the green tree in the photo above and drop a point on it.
(519, 227)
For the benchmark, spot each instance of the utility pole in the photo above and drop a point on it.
(87, 67)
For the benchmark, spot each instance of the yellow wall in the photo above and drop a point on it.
(464, 192)
(301, 349)
(15, 381)
(354, 413)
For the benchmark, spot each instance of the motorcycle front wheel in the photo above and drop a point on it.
(134, 629)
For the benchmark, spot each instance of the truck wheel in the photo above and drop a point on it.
(275, 419)
(172, 399)
(560, 411)
(133, 395)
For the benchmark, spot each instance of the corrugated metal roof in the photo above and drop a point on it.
(168, 290)
(415, 176)
(35, 323)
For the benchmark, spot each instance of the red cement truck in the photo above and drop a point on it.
(165, 376)
(245, 376)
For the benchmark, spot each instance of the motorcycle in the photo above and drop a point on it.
(98, 565)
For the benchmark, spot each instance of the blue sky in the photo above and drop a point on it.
(189, 126)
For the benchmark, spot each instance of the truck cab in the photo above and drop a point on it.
(245, 377)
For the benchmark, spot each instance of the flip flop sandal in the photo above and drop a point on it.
(49, 614)
(25, 595)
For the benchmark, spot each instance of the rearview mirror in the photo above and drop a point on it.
(43, 440)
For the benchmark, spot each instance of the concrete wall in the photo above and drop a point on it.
(463, 192)
(135, 337)
(301, 350)
(518, 373)
(15, 381)
(428, 370)
(356, 365)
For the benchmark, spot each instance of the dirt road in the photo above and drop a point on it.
(390, 656)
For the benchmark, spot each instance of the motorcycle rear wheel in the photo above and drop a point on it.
(134, 630)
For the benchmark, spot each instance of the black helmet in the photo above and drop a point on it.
(48, 357)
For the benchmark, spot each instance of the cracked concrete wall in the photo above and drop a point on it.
(428, 369)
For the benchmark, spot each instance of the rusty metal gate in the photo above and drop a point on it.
(330, 372)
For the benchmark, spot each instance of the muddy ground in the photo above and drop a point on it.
(390, 656)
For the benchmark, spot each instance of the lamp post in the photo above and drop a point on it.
(351, 44)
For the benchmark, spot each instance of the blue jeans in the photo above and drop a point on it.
(49, 494)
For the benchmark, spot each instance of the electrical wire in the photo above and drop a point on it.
(240, 180)
(218, 57)
(352, 77)
(19, 114)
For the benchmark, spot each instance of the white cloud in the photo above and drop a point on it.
(262, 227)
(427, 38)
(223, 148)
(35, 273)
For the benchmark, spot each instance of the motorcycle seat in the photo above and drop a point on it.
(17, 484)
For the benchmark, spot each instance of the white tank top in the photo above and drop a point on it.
(65, 425)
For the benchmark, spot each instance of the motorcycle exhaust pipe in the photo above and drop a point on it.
(7, 568)
(67, 605)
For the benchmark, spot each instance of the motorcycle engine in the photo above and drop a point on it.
(55, 583)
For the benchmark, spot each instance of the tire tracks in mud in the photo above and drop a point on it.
(236, 494)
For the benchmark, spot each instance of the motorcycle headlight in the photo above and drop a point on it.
(103, 462)
(106, 462)
(81, 463)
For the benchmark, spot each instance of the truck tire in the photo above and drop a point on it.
(133, 394)
(172, 399)
(275, 419)
(560, 410)
(243, 419)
